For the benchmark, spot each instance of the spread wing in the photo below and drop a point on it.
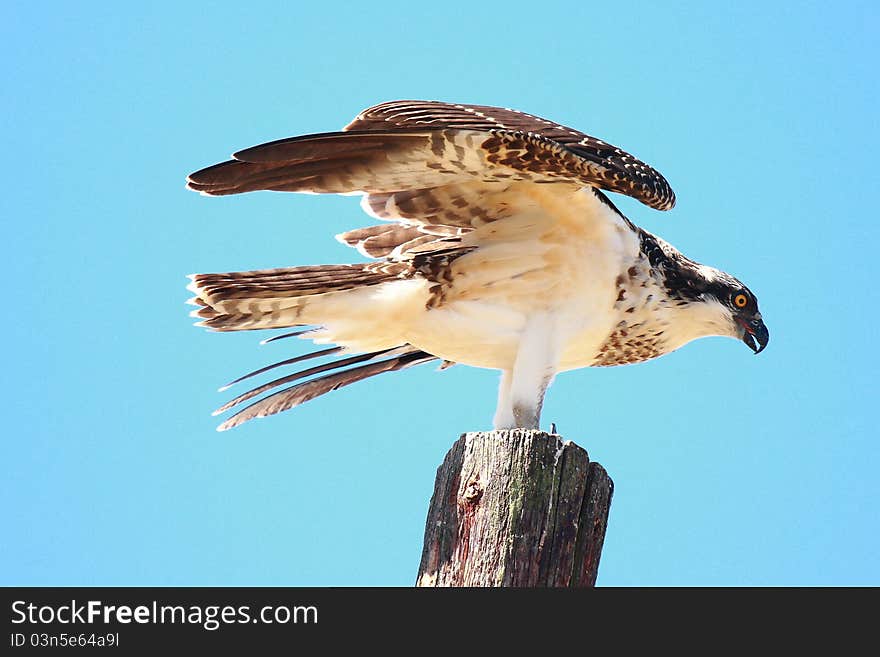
(407, 145)
(598, 163)
(437, 169)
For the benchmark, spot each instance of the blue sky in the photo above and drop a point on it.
(729, 469)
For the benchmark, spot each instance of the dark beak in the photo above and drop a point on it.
(754, 333)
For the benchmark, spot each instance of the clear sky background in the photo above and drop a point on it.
(730, 469)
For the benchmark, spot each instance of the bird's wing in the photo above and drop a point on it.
(398, 241)
(340, 374)
(598, 163)
(437, 160)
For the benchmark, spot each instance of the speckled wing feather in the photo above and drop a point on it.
(612, 169)
(417, 145)
(397, 241)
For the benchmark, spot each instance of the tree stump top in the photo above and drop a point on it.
(515, 508)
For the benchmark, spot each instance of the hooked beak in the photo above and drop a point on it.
(754, 333)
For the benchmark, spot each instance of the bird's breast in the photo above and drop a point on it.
(522, 267)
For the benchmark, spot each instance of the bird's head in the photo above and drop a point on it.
(728, 306)
(741, 306)
(707, 300)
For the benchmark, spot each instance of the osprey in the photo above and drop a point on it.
(502, 252)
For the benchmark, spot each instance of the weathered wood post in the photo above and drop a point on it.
(515, 508)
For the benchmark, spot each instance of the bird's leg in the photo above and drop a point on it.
(504, 411)
(532, 373)
(527, 412)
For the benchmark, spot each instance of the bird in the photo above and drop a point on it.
(496, 247)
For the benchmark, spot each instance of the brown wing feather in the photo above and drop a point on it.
(302, 374)
(635, 178)
(334, 163)
(381, 241)
(308, 390)
(420, 145)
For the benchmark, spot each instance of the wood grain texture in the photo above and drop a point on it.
(515, 508)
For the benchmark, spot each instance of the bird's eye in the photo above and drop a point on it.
(740, 301)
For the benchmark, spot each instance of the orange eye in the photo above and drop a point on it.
(740, 301)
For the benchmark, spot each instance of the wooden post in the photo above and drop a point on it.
(515, 508)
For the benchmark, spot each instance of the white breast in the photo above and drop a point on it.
(558, 259)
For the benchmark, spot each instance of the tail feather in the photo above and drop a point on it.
(308, 390)
(318, 369)
(292, 334)
(220, 321)
(290, 361)
(275, 298)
